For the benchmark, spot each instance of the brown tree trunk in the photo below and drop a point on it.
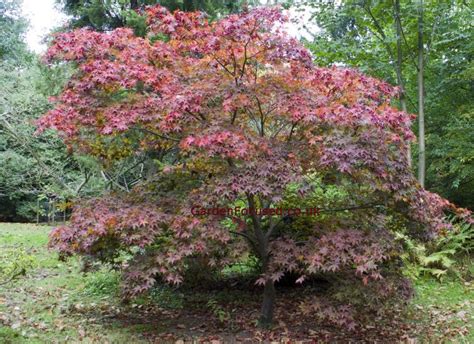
(262, 250)
(269, 293)
(268, 305)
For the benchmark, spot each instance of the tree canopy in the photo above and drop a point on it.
(32, 168)
(363, 35)
(236, 114)
(106, 15)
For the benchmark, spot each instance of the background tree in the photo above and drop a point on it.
(351, 34)
(31, 167)
(421, 98)
(34, 168)
(106, 15)
(15, 179)
(12, 30)
(236, 115)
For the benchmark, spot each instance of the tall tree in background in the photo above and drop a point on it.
(31, 167)
(399, 65)
(449, 101)
(13, 27)
(18, 173)
(421, 100)
(351, 34)
(102, 15)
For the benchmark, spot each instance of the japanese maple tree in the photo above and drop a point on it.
(235, 113)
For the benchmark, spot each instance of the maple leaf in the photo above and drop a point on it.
(238, 114)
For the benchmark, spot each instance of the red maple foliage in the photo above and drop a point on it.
(239, 113)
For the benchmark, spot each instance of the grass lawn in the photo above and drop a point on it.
(56, 303)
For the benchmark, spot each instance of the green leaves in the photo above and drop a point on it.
(363, 34)
(14, 262)
(111, 14)
(12, 30)
(439, 258)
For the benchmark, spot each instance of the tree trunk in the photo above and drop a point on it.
(399, 68)
(421, 113)
(53, 215)
(49, 212)
(268, 305)
(37, 211)
(269, 294)
(262, 250)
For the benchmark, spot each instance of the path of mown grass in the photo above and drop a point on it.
(55, 303)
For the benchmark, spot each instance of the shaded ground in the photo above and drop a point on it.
(54, 303)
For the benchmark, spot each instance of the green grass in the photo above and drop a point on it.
(446, 294)
(55, 303)
(451, 304)
(23, 234)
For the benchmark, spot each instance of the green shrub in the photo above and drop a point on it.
(219, 312)
(460, 239)
(440, 257)
(14, 262)
(102, 283)
(9, 335)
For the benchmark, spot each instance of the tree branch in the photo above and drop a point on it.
(156, 134)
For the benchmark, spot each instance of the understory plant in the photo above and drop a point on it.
(438, 257)
(233, 113)
(14, 262)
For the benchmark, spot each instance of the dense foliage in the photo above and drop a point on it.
(20, 102)
(106, 15)
(363, 34)
(32, 169)
(235, 114)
